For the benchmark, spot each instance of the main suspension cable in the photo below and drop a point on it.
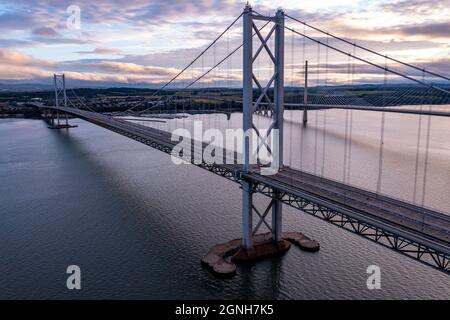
(221, 61)
(369, 62)
(369, 50)
(194, 60)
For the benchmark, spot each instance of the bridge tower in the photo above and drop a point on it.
(60, 94)
(275, 111)
(59, 82)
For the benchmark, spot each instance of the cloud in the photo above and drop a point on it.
(101, 50)
(15, 65)
(15, 72)
(441, 30)
(133, 68)
(12, 57)
(16, 21)
(430, 9)
(152, 40)
(45, 31)
(10, 43)
(138, 12)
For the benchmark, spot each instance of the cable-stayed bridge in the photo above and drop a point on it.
(248, 66)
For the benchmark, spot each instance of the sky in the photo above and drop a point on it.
(147, 42)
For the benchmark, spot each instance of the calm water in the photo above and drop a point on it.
(137, 225)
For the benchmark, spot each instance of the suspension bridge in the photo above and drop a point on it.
(247, 65)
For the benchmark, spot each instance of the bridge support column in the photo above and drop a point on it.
(277, 218)
(247, 216)
(276, 111)
(247, 194)
(305, 96)
(278, 116)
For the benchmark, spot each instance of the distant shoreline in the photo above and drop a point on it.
(18, 116)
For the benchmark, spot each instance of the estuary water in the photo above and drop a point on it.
(138, 225)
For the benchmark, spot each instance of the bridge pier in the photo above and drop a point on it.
(54, 120)
(277, 218)
(252, 246)
(247, 216)
(222, 258)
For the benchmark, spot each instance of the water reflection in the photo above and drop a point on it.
(411, 164)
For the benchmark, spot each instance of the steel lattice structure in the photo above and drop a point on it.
(274, 109)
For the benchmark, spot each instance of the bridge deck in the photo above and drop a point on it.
(429, 224)
(425, 227)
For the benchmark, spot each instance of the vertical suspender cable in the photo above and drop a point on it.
(383, 121)
(291, 118)
(427, 152)
(419, 133)
(258, 74)
(216, 124)
(346, 126)
(202, 87)
(302, 129)
(229, 62)
(351, 121)
(324, 131)
(316, 120)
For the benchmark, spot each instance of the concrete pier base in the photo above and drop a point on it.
(222, 258)
(263, 247)
(302, 241)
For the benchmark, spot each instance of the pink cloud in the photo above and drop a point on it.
(101, 50)
(12, 57)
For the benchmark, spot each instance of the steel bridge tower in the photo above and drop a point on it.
(275, 110)
(59, 81)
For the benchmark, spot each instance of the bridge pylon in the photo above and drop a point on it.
(273, 109)
(59, 82)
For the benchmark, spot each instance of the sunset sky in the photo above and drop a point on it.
(148, 41)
